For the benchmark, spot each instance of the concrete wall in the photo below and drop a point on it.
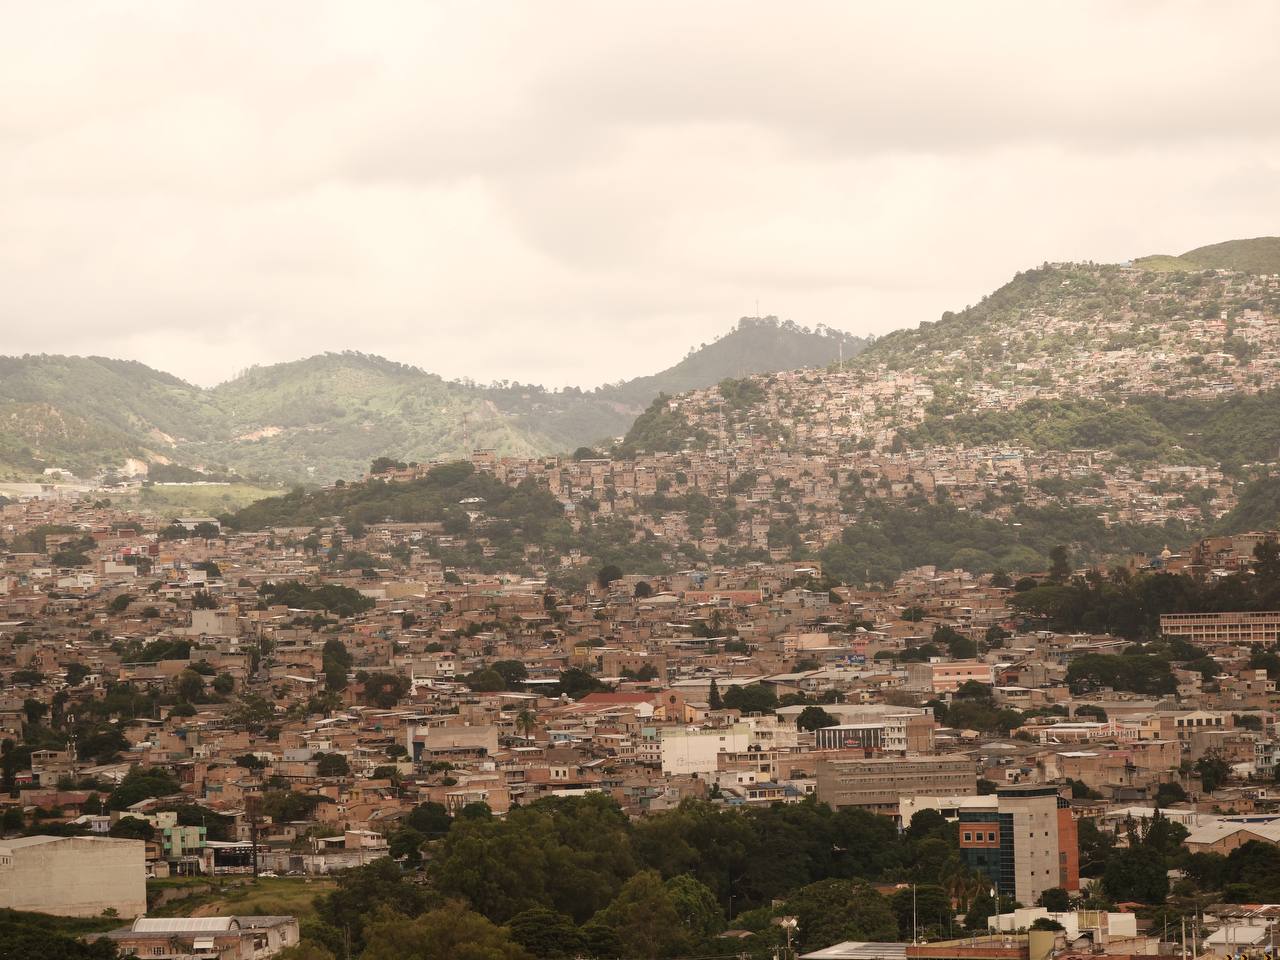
(74, 876)
(696, 751)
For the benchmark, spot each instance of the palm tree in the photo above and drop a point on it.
(526, 720)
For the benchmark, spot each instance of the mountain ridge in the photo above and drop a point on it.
(327, 416)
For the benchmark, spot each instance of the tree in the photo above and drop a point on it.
(1056, 900)
(450, 933)
(696, 906)
(526, 720)
(832, 911)
(359, 896)
(132, 828)
(714, 700)
(223, 684)
(252, 712)
(601, 941)
(642, 591)
(547, 934)
(645, 918)
(1135, 874)
(1059, 564)
(1045, 923)
(332, 765)
(513, 672)
(958, 645)
(336, 663)
(752, 698)
(1214, 771)
(139, 784)
(981, 908)
(385, 689)
(577, 683)
(928, 905)
(815, 718)
(607, 574)
(485, 681)
(1170, 792)
(406, 844)
(430, 818)
(190, 686)
(305, 951)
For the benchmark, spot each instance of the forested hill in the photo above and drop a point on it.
(326, 417)
(1259, 255)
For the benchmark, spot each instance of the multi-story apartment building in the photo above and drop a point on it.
(1238, 626)
(879, 783)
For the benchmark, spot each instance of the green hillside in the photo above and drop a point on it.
(1258, 255)
(328, 416)
(80, 413)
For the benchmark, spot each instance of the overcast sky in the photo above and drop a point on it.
(571, 193)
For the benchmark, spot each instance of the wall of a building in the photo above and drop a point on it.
(76, 876)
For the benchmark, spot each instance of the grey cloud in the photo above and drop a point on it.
(576, 192)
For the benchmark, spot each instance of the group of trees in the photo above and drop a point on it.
(576, 878)
(889, 538)
(329, 597)
(1131, 606)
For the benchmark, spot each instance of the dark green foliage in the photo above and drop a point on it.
(1131, 607)
(1139, 673)
(661, 429)
(139, 784)
(330, 597)
(753, 698)
(331, 765)
(385, 689)
(1056, 900)
(546, 934)
(337, 661)
(891, 538)
(832, 911)
(577, 683)
(132, 828)
(27, 936)
(572, 857)
(815, 718)
(430, 819)
(360, 894)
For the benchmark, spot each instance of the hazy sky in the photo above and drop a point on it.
(578, 192)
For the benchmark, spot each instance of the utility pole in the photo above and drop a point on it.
(252, 809)
(915, 934)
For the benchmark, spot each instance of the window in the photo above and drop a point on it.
(968, 837)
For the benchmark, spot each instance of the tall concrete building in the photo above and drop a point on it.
(879, 783)
(1023, 837)
(73, 876)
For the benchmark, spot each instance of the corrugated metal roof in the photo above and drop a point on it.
(184, 924)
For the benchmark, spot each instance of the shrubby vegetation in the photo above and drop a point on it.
(890, 538)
